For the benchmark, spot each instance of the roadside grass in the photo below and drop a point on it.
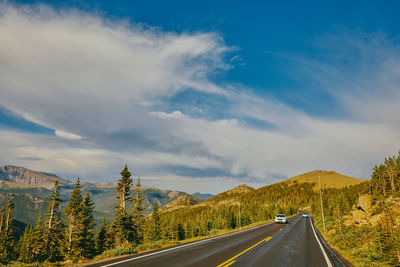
(357, 244)
(35, 264)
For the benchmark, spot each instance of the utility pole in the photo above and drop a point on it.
(322, 206)
(240, 219)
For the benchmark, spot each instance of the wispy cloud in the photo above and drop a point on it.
(116, 92)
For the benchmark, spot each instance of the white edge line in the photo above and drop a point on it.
(328, 262)
(186, 245)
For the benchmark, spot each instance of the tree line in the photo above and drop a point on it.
(371, 244)
(71, 234)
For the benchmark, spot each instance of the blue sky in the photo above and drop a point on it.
(221, 92)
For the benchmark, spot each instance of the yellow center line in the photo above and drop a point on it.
(244, 251)
(230, 263)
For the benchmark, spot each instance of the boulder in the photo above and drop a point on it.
(364, 203)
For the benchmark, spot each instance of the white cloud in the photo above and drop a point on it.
(103, 86)
(67, 135)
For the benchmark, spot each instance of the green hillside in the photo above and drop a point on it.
(329, 179)
(179, 203)
(244, 205)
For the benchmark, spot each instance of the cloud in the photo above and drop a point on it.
(67, 135)
(117, 92)
(30, 158)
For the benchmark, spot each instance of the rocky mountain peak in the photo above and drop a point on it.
(22, 175)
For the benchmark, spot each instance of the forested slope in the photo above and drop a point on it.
(363, 222)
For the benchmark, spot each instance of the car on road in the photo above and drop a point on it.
(305, 215)
(281, 218)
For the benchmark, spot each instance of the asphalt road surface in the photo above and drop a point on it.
(294, 244)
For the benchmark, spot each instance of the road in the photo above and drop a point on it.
(294, 244)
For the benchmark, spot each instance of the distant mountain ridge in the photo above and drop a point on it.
(201, 196)
(31, 190)
(21, 175)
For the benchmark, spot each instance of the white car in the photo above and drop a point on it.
(280, 218)
(305, 215)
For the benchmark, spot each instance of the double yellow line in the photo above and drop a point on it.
(231, 260)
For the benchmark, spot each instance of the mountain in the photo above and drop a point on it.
(230, 195)
(30, 191)
(201, 196)
(180, 202)
(329, 179)
(21, 175)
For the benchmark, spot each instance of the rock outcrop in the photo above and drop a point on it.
(365, 213)
(21, 175)
(364, 203)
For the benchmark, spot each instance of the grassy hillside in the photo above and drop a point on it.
(329, 179)
(180, 202)
(201, 196)
(229, 196)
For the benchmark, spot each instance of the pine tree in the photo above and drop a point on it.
(73, 212)
(25, 246)
(110, 236)
(101, 236)
(54, 227)
(38, 241)
(180, 231)
(122, 226)
(87, 228)
(2, 213)
(155, 226)
(124, 188)
(7, 252)
(137, 211)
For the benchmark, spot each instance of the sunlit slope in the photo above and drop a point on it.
(329, 179)
(180, 202)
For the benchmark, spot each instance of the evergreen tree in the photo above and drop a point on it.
(124, 188)
(2, 213)
(110, 236)
(87, 228)
(155, 226)
(73, 212)
(7, 252)
(137, 212)
(38, 241)
(54, 227)
(180, 231)
(122, 226)
(25, 246)
(101, 236)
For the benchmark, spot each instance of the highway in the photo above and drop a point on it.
(294, 244)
